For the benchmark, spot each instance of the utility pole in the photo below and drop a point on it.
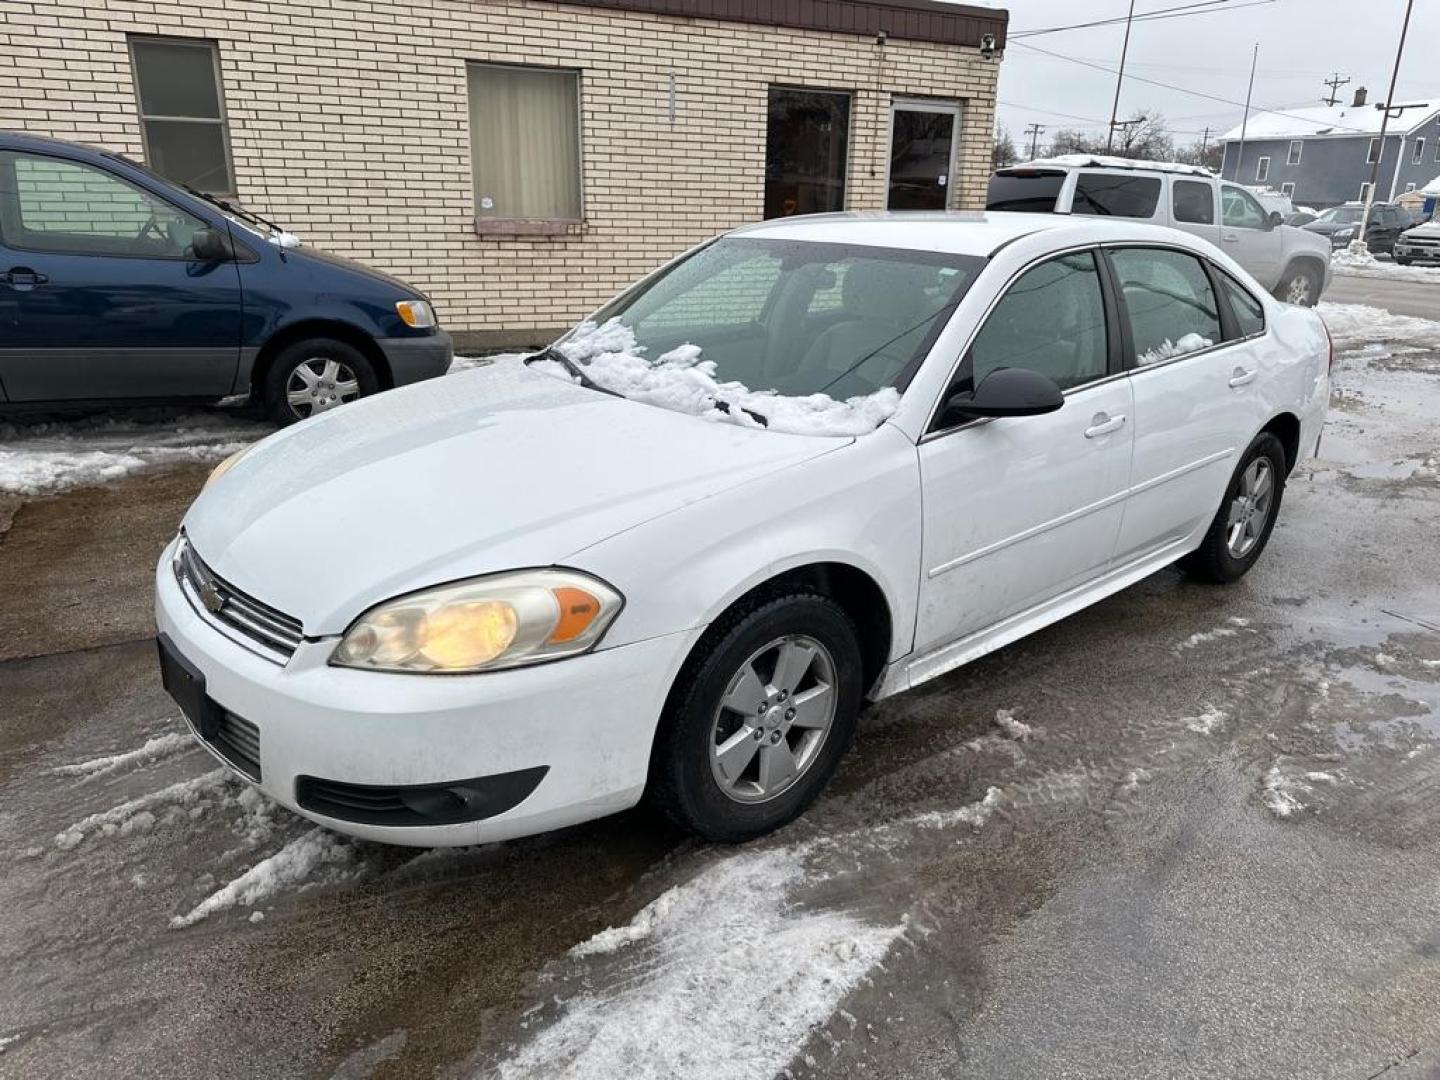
(1334, 83)
(1119, 80)
(1034, 131)
(1245, 122)
(1384, 123)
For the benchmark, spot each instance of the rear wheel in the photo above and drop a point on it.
(760, 717)
(1301, 285)
(1402, 261)
(315, 376)
(1241, 527)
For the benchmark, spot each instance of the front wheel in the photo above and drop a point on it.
(1241, 527)
(759, 718)
(315, 376)
(1301, 285)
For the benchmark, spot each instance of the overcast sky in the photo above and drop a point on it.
(1301, 43)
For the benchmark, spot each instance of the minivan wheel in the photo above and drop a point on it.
(315, 376)
(1242, 526)
(759, 718)
(1301, 286)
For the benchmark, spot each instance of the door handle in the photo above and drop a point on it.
(1230, 238)
(22, 278)
(1103, 424)
(1241, 377)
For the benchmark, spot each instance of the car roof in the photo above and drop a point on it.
(1105, 161)
(23, 140)
(956, 232)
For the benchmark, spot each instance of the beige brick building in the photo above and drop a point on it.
(520, 160)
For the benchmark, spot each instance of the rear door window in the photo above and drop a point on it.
(1169, 302)
(1030, 191)
(1116, 194)
(1194, 202)
(1249, 312)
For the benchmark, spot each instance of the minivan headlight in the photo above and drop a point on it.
(416, 314)
(484, 624)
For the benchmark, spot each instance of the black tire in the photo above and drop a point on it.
(1214, 560)
(318, 351)
(682, 782)
(1402, 261)
(1296, 278)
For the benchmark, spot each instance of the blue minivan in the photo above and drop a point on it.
(119, 286)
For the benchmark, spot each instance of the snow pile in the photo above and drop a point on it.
(725, 983)
(1014, 728)
(1207, 723)
(1354, 326)
(54, 456)
(294, 863)
(976, 814)
(679, 380)
(1168, 349)
(137, 815)
(1284, 792)
(1349, 263)
(161, 746)
(637, 929)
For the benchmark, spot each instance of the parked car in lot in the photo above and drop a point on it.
(1419, 244)
(1290, 263)
(1341, 224)
(813, 462)
(119, 286)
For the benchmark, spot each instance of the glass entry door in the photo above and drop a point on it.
(922, 153)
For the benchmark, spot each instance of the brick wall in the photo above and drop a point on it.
(348, 124)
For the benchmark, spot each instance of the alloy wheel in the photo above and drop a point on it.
(1299, 291)
(773, 719)
(320, 384)
(1250, 508)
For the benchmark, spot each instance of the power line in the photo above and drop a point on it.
(1203, 7)
(1034, 131)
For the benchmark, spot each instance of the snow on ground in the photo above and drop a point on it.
(721, 978)
(1284, 791)
(1204, 637)
(1348, 264)
(1354, 326)
(297, 863)
(161, 746)
(138, 814)
(680, 380)
(1207, 723)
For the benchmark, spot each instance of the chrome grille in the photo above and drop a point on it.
(216, 598)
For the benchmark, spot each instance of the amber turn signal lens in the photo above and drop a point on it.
(577, 611)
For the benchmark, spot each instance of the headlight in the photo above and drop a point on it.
(225, 466)
(500, 621)
(1344, 234)
(416, 313)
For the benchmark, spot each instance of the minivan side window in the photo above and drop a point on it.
(1193, 202)
(54, 205)
(1168, 300)
(1051, 320)
(1241, 210)
(1116, 195)
(1249, 312)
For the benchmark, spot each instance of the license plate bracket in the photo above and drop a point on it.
(184, 682)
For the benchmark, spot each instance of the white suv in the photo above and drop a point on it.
(1291, 263)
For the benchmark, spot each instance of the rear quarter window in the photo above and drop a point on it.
(1031, 192)
(1116, 195)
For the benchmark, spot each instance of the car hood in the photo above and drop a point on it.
(312, 254)
(1430, 229)
(494, 469)
(1325, 228)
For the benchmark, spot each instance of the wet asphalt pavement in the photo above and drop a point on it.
(1189, 832)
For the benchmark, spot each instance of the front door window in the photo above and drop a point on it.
(922, 150)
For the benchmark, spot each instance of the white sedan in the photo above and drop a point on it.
(811, 463)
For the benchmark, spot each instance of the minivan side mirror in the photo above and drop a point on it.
(212, 245)
(1275, 220)
(1004, 392)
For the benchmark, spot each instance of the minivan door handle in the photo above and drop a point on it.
(1103, 424)
(1240, 377)
(22, 278)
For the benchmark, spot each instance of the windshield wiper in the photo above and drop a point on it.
(554, 354)
(231, 208)
(725, 407)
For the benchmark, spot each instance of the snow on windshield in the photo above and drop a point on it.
(610, 356)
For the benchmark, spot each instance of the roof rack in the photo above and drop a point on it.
(1105, 161)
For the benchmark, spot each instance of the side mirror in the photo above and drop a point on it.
(1275, 220)
(1005, 392)
(212, 245)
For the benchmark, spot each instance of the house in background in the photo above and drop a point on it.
(1324, 156)
(521, 160)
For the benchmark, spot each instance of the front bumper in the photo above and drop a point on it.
(587, 721)
(414, 358)
(1428, 253)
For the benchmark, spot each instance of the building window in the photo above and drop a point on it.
(1296, 149)
(1287, 189)
(1409, 188)
(1262, 170)
(525, 142)
(806, 143)
(1374, 153)
(1417, 157)
(182, 111)
(1365, 192)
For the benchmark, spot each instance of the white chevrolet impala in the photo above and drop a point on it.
(811, 463)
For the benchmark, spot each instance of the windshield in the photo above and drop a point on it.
(1343, 215)
(753, 328)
